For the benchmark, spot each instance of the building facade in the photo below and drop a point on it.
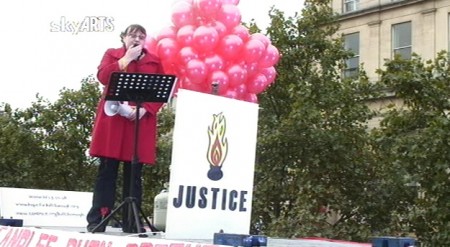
(377, 29)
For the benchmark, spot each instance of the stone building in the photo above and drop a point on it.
(378, 29)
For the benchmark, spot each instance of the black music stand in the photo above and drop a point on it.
(138, 88)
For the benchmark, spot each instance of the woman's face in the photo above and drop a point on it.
(134, 38)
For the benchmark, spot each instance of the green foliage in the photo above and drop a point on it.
(51, 140)
(415, 142)
(314, 154)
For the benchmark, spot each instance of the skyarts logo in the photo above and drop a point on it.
(218, 147)
(87, 24)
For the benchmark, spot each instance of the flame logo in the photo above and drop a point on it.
(218, 146)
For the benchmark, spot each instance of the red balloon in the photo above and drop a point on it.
(220, 28)
(196, 71)
(253, 50)
(185, 35)
(261, 37)
(241, 90)
(167, 32)
(182, 14)
(270, 57)
(230, 93)
(169, 68)
(207, 8)
(241, 31)
(205, 38)
(167, 49)
(151, 45)
(257, 84)
(219, 77)
(186, 54)
(229, 15)
(237, 75)
(250, 97)
(214, 62)
(188, 84)
(230, 46)
(251, 68)
(270, 74)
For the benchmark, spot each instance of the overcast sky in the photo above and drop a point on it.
(41, 54)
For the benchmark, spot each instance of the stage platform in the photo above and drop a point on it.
(78, 237)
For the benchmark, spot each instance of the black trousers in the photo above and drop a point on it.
(105, 191)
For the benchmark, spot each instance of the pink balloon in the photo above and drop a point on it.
(205, 38)
(234, 2)
(253, 50)
(270, 57)
(230, 93)
(167, 49)
(257, 84)
(214, 62)
(182, 14)
(241, 31)
(261, 37)
(219, 77)
(169, 68)
(230, 46)
(167, 32)
(229, 15)
(220, 28)
(185, 35)
(270, 74)
(251, 68)
(196, 71)
(250, 97)
(241, 90)
(186, 54)
(207, 8)
(237, 75)
(151, 45)
(186, 83)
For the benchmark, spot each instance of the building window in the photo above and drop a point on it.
(401, 40)
(351, 43)
(351, 5)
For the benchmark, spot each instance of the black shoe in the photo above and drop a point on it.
(92, 226)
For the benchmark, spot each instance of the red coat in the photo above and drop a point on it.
(113, 137)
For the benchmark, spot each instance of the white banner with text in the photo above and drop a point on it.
(45, 207)
(213, 158)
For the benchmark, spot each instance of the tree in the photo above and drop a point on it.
(314, 154)
(45, 146)
(415, 143)
(58, 136)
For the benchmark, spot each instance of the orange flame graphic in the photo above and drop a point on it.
(218, 144)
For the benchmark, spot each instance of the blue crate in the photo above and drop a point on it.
(393, 242)
(240, 240)
(11, 222)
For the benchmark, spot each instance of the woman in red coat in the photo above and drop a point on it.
(113, 135)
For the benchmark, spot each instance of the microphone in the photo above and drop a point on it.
(142, 53)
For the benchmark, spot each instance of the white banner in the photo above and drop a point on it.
(45, 207)
(24, 237)
(33, 237)
(213, 156)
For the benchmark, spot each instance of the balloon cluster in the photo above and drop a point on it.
(207, 44)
